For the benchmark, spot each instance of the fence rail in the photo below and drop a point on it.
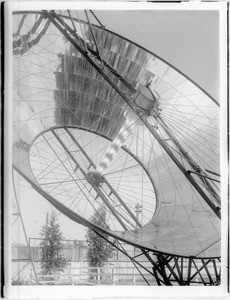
(98, 276)
(84, 275)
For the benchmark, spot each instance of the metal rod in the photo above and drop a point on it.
(24, 228)
(94, 187)
(55, 182)
(105, 180)
(187, 156)
(178, 269)
(156, 276)
(121, 170)
(73, 216)
(171, 269)
(211, 172)
(189, 270)
(160, 262)
(201, 175)
(160, 268)
(201, 277)
(207, 271)
(63, 20)
(85, 53)
(97, 19)
(198, 271)
(74, 27)
(82, 31)
(215, 269)
(93, 35)
(182, 268)
(125, 252)
(214, 207)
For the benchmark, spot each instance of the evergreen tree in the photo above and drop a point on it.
(52, 260)
(99, 250)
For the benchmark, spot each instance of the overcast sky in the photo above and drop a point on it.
(189, 40)
(186, 39)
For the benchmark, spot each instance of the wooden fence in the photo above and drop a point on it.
(80, 274)
(97, 276)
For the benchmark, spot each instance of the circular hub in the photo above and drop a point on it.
(95, 178)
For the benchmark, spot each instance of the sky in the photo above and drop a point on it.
(186, 39)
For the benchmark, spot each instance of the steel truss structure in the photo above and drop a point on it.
(105, 70)
(166, 268)
(171, 270)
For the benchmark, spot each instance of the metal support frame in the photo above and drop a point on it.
(189, 270)
(139, 264)
(167, 269)
(96, 18)
(112, 190)
(73, 37)
(162, 278)
(94, 38)
(205, 176)
(171, 270)
(197, 169)
(99, 189)
(96, 188)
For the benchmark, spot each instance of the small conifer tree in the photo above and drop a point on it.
(99, 250)
(52, 260)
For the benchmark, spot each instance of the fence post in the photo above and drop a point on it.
(80, 277)
(99, 275)
(113, 276)
(134, 278)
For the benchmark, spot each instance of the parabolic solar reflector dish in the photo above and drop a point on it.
(81, 144)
